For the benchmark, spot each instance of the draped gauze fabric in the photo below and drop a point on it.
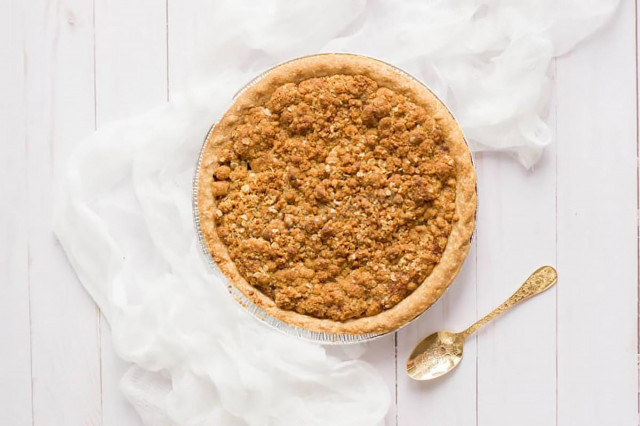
(123, 208)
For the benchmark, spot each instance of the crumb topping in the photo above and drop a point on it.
(336, 197)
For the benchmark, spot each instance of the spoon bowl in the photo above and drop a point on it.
(436, 355)
(441, 352)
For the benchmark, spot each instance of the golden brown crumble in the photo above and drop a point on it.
(336, 197)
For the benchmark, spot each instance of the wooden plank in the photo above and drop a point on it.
(451, 400)
(637, 73)
(185, 31)
(381, 353)
(15, 352)
(131, 76)
(131, 57)
(598, 229)
(117, 410)
(516, 235)
(59, 101)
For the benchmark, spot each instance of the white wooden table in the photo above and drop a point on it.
(569, 357)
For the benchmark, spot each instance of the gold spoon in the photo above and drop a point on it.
(441, 352)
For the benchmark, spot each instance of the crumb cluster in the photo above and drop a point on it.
(336, 197)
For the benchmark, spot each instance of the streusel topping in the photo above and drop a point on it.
(336, 197)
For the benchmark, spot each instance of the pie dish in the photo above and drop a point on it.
(337, 194)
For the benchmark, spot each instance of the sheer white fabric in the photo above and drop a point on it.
(123, 212)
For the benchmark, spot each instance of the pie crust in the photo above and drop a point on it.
(385, 76)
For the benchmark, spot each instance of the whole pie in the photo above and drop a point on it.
(338, 195)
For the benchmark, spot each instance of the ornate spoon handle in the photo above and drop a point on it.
(542, 279)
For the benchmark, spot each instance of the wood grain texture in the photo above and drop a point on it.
(15, 333)
(430, 403)
(58, 93)
(516, 235)
(597, 229)
(186, 26)
(117, 411)
(637, 73)
(381, 353)
(131, 76)
(130, 56)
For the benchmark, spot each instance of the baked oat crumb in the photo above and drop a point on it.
(336, 197)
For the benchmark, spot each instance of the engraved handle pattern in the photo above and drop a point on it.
(539, 281)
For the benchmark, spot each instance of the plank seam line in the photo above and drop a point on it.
(30, 329)
(555, 124)
(95, 95)
(26, 154)
(99, 347)
(637, 203)
(166, 17)
(395, 351)
(95, 127)
(476, 335)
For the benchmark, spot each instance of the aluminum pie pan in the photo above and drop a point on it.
(241, 299)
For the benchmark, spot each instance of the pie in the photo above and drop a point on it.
(338, 195)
